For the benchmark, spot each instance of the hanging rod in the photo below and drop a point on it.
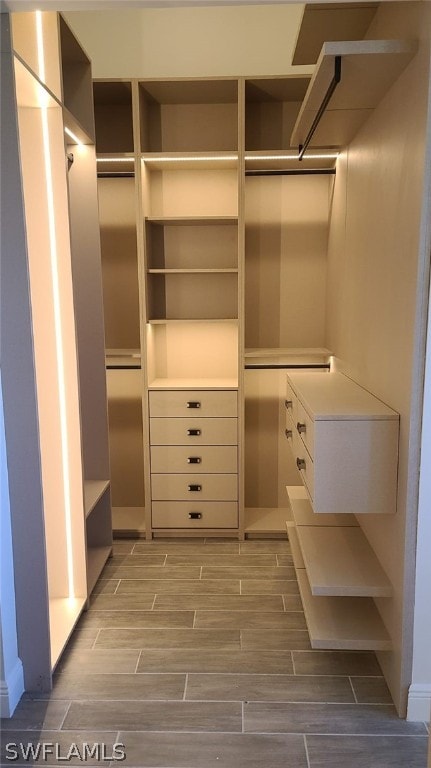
(116, 175)
(305, 172)
(332, 86)
(281, 366)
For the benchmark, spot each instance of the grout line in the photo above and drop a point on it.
(185, 686)
(293, 663)
(137, 661)
(153, 603)
(65, 715)
(93, 647)
(242, 717)
(306, 751)
(116, 588)
(353, 690)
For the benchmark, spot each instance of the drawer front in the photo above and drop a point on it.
(180, 458)
(194, 431)
(291, 403)
(186, 514)
(305, 428)
(305, 466)
(290, 432)
(194, 487)
(201, 403)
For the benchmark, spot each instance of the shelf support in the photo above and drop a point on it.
(332, 86)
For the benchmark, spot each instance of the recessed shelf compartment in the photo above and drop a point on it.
(368, 69)
(272, 106)
(189, 115)
(113, 116)
(193, 296)
(303, 513)
(340, 561)
(192, 243)
(93, 491)
(265, 522)
(76, 80)
(209, 191)
(342, 623)
(276, 160)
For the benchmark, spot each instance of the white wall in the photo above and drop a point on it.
(11, 671)
(377, 299)
(190, 42)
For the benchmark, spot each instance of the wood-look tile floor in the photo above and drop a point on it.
(195, 654)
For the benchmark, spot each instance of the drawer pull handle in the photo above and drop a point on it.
(300, 463)
(193, 404)
(194, 460)
(195, 515)
(288, 403)
(288, 433)
(194, 432)
(195, 487)
(301, 428)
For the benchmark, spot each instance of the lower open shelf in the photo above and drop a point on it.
(348, 623)
(128, 521)
(265, 521)
(63, 615)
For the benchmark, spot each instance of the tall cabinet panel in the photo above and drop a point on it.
(190, 203)
(69, 388)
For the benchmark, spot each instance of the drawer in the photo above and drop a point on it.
(205, 403)
(180, 458)
(305, 466)
(194, 431)
(194, 486)
(291, 402)
(305, 428)
(186, 514)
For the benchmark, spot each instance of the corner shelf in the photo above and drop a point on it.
(93, 491)
(303, 514)
(368, 69)
(342, 623)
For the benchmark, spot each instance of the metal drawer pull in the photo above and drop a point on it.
(300, 463)
(301, 427)
(193, 404)
(195, 487)
(288, 433)
(288, 403)
(194, 460)
(194, 432)
(195, 515)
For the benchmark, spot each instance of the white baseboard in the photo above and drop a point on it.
(11, 690)
(419, 703)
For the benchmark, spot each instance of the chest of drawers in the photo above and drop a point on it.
(345, 443)
(194, 461)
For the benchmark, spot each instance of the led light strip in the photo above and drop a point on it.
(191, 158)
(115, 159)
(57, 321)
(320, 156)
(72, 136)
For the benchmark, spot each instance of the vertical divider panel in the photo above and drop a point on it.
(241, 301)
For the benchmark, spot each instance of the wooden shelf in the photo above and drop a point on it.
(292, 535)
(328, 21)
(172, 321)
(192, 271)
(287, 160)
(265, 521)
(340, 561)
(187, 221)
(303, 514)
(368, 69)
(342, 623)
(193, 383)
(93, 491)
(96, 559)
(190, 161)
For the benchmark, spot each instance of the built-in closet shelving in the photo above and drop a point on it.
(51, 126)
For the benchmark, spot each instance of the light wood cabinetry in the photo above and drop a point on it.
(62, 546)
(345, 444)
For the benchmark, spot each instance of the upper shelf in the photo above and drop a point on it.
(330, 21)
(368, 68)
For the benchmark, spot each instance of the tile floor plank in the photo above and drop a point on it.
(268, 688)
(223, 602)
(199, 660)
(221, 560)
(168, 638)
(119, 687)
(367, 751)
(180, 586)
(118, 619)
(33, 714)
(249, 620)
(133, 602)
(152, 571)
(336, 663)
(269, 587)
(281, 639)
(98, 660)
(248, 572)
(371, 690)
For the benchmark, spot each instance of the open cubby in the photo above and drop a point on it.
(272, 106)
(189, 116)
(184, 193)
(193, 296)
(113, 116)
(76, 77)
(211, 244)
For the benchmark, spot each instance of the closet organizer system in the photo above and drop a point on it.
(62, 546)
(214, 236)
